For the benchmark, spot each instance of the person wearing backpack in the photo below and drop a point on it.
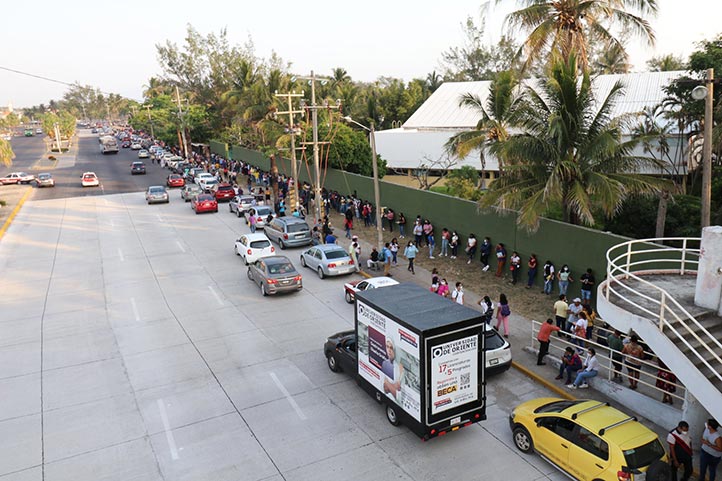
(487, 309)
(680, 450)
(502, 314)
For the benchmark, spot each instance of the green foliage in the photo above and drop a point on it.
(350, 150)
(666, 63)
(10, 121)
(65, 121)
(6, 153)
(638, 215)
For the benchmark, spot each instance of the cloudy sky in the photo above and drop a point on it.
(111, 45)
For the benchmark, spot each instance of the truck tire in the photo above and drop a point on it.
(391, 415)
(522, 440)
(332, 363)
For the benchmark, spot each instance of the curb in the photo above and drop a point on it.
(9, 220)
(552, 387)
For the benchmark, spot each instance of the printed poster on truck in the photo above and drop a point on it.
(388, 358)
(454, 372)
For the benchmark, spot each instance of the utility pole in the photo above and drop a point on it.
(293, 193)
(707, 152)
(182, 124)
(152, 135)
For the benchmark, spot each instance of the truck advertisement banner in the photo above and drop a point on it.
(454, 372)
(388, 358)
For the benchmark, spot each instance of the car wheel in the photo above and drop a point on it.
(391, 415)
(238, 214)
(303, 261)
(250, 276)
(235, 249)
(230, 209)
(522, 440)
(263, 289)
(245, 260)
(197, 212)
(281, 245)
(332, 363)
(349, 298)
(320, 273)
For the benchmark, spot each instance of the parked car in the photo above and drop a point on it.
(89, 179)
(17, 178)
(261, 212)
(201, 176)
(191, 175)
(351, 288)
(137, 168)
(586, 439)
(223, 192)
(340, 351)
(275, 274)
(240, 204)
(189, 191)
(175, 180)
(135, 146)
(288, 232)
(143, 154)
(328, 260)
(254, 246)
(157, 194)
(204, 203)
(44, 180)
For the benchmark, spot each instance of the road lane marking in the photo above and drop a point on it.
(135, 308)
(180, 246)
(166, 427)
(120, 254)
(160, 219)
(290, 399)
(215, 294)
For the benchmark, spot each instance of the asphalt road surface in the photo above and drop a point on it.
(133, 347)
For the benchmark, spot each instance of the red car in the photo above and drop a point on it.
(224, 192)
(204, 203)
(175, 180)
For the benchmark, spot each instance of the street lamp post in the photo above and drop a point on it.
(706, 92)
(377, 193)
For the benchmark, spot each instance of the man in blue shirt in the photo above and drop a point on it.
(387, 259)
(330, 238)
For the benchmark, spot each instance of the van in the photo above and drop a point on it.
(288, 232)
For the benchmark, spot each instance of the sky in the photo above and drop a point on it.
(112, 46)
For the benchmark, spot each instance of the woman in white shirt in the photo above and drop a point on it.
(591, 369)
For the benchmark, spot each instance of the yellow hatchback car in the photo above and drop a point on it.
(588, 440)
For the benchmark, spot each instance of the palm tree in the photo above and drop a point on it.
(433, 81)
(6, 153)
(613, 59)
(495, 116)
(568, 153)
(566, 26)
(155, 87)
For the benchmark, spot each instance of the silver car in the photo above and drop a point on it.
(262, 212)
(275, 274)
(45, 180)
(240, 204)
(156, 194)
(328, 260)
(288, 232)
(189, 191)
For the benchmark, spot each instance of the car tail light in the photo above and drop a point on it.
(332, 266)
(297, 278)
(249, 252)
(272, 281)
(624, 476)
(273, 249)
(285, 236)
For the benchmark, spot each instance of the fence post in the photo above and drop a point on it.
(684, 256)
(662, 308)
(629, 260)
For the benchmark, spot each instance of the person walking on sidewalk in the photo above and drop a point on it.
(502, 314)
(487, 309)
(545, 331)
(394, 248)
(711, 450)
(387, 259)
(410, 253)
(680, 450)
(458, 294)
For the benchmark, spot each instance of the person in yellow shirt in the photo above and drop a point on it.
(561, 311)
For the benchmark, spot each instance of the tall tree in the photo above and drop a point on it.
(666, 63)
(611, 59)
(569, 153)
(6, 153)
(565, 26)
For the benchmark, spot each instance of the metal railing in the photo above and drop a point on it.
(631, 260)
(647, 377)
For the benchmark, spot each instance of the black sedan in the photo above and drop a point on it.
(340, 351)
(137, 168)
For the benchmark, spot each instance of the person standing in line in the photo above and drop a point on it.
(711, 450)
(634, 355)
(565, 278)
(458, 294)
(471, 247)
(487, 309)
(394, 248)
(432, 244)
(574, 309)
(591, 369)
(500, 259)
(680, 450)
(531, 272)
(454, 244)
(561, 311)
(428, 229)
(502, 314)
(410, 253)
(391, 218)
(515, 267)
(666, 382)
(347, 226)
(485, 253)
(545, 332)
(402, 225)
(445, 236)
(387, 260)
(418, 234)
(548, 278)
(614, 341)
(587, 280)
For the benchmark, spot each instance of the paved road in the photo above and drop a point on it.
(134, 348)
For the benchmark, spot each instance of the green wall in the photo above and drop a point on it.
(561, 243)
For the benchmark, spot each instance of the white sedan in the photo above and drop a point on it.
(89, 179)
(143, 154)
(351, 288)
(135, 146)
(17, 178)
(252, 247)
(203, 175)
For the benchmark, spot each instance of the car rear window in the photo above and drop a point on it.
(280, 268)
(300, 227)
(263, 211)
(336, 254)
(225, 187)
(205, 198)
(493, 340)
(644, 455)
(260, 244)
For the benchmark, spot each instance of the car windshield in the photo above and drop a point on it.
(644, 455)
(300, 227)
(336, 254)
(282, 268)
(260, 244)
(556, 406)
(493, 340)
(225, 187)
